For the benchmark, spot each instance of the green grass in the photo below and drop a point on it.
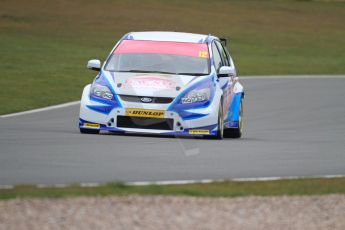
(44, 46)
(217, 189)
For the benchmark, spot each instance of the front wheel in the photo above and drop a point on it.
(236, 132)
(220, 131)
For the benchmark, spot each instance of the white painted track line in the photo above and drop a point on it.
(5, 186)
(41, 109)
(206, 181)
(181, 182)
(293, 77)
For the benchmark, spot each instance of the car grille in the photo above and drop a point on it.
(145, 123)
(157, 100)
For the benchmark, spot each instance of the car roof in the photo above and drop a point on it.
(169, 36)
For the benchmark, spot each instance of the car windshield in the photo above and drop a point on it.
(160, 57)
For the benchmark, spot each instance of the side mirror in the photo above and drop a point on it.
(94, 65)
(227, 71)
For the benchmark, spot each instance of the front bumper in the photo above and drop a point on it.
(168, 122)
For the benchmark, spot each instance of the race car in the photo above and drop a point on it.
(168, 83)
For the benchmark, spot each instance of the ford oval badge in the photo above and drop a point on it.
(146, 99)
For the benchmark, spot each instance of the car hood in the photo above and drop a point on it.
(149, 84)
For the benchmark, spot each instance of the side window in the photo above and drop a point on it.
(223, 53)
(216, 57)
(228, 55)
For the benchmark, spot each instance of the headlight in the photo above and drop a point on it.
(101, 91)
(196, 95)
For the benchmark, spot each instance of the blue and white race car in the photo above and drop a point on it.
(169, 83)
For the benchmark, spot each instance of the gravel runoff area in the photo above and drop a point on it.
(171, 212)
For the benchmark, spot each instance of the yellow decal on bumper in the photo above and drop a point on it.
(91, 126)
(145, 113)
(199, 131)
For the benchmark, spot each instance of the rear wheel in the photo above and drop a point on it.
(236, 132)
(89, 131)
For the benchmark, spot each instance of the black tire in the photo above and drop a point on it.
(236, 132)
(89, 131)
(220, 131)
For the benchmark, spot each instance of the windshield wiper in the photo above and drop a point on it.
(193, 74)
(144, 71)
(163, 72)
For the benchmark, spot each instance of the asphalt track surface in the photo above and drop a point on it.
(293, 127)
